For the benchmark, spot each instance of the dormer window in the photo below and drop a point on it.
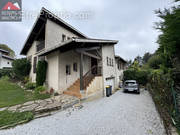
(63, 37)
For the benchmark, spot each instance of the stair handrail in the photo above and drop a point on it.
(91, 76)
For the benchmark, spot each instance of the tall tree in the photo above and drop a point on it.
(146, 57)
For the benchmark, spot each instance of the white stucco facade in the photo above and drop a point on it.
(109, 72)
(57, 77)
(5, 63)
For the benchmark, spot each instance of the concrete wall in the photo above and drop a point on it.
(54, 33)
(95, 86)
(119, 75)
(108, 71)
(52, 78)
(32, 53)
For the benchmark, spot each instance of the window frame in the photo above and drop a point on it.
(68, 69)
(63, 37)
(75, 67)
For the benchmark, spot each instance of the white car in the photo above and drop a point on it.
(131, 86)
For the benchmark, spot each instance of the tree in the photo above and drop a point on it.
(41, 73)
(146, 57)
(169, 40)
(5, 47)
(21, 68)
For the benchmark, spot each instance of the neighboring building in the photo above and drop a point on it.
(77, 65)
(5, 59)
(120, 67)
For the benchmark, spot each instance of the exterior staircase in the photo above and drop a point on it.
(74, 89)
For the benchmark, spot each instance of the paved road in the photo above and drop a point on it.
(120, 114)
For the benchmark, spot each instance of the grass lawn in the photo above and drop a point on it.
(13, 118)
(11, 94)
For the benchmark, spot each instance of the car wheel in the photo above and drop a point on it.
(138, 92)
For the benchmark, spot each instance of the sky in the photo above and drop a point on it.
(130, 22)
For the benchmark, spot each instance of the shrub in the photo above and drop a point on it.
(40, 89)
(30, 85)
(21, 67)
(6, 72)
(155, 62)
(141, 76)
(41, 73)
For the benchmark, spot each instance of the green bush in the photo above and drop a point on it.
(155, 62)
(40, 89)
(30, 85)
(21, 68)
(141, 76)
(41, 73)
(6, 72)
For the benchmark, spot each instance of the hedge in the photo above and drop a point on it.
(141, 76)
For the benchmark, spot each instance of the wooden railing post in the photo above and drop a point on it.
(81, 72)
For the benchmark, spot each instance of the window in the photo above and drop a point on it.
(63, 37)
(34, 64)
(75, 67)
(68, 69)
(7, 62)
(68, 38)
(109, 61)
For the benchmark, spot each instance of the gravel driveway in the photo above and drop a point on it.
(120, 114)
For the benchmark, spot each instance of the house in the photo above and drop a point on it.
(77, 65)
(120, 67)
(5, 59)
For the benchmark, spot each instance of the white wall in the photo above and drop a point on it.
(5, 63)
(108, 71)
(32, 53)
(119, 74)
(54, 33)
(53, 70)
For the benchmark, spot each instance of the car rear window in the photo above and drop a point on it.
(130, 83)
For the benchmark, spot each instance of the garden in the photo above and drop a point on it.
(17, 88)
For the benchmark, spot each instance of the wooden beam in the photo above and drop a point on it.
(89, 54)
(88, 49)
(81, 72)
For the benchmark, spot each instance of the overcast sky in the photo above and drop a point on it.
(129, 21)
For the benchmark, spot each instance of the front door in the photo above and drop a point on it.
(94, 65)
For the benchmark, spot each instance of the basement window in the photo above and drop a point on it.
(68, 69)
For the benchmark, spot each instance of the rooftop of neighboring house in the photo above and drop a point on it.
(120, 58)
(5, 54)
(4, 51)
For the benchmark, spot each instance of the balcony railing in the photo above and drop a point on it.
(40, 46)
